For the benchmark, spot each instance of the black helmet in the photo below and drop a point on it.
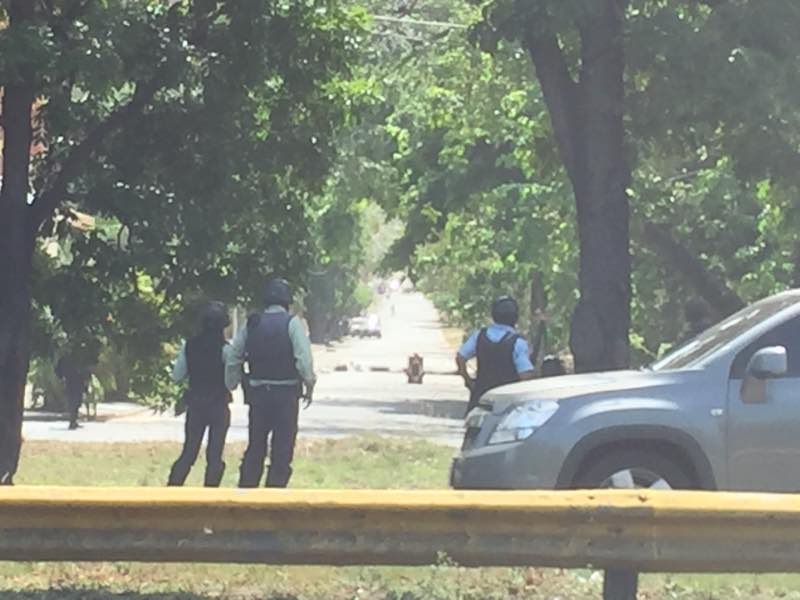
(505, 311)
(278, 292)
(215, 316)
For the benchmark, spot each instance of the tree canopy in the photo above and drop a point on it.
(709, 135)
(196, 131)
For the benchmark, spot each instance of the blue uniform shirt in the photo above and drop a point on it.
(495, 332)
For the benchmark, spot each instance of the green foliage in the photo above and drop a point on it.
(46, 387)
(205, 128)
(308, 137)
(464, 144)
(461, 140)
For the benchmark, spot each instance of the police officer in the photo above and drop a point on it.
(502, 353)
(207, 399)
(699, 317)
(74, 370)
(278, 354)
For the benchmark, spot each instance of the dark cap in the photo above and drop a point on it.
(215, 316)
(278, 291)
(505, 311)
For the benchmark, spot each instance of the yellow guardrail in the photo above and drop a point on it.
(628, 530)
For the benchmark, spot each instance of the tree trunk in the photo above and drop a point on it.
(587, 119)
(602, 201)
(16, 252)
(538, 319)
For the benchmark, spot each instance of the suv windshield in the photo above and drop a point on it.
(694, 351)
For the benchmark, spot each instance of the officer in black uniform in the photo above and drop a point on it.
(502, 353)
(277, 351)
(74, 370)
(207, 399)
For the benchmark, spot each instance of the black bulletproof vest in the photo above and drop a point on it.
(270, 354)
(206, 367)
(495, 363)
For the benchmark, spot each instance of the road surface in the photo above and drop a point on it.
(354, 402)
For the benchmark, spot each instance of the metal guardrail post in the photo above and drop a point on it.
(620, 585)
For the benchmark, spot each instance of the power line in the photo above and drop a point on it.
(407, 21)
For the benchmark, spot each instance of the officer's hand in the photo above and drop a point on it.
(469, 383)
(308, 396)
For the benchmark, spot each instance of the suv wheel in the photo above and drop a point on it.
(633, 469)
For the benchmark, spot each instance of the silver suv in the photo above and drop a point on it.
(720, 412)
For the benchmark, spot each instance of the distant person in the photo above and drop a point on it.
(552, 366)
(207, 399)
(74, 369)
(502, 353)
(699, 317)
(277, 351)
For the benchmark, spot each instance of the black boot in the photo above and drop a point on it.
(178, 474)
(214, 475)
(278, 478)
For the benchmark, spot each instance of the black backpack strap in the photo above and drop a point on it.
(509, 336)
(483, 338)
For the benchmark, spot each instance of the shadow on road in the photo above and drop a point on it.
(438, 409)
(44, 417)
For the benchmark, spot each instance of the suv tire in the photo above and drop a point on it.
(627, 468)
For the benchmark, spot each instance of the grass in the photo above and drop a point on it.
(351, 463)
(356, 463)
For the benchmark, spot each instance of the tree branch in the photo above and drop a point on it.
(56, 189)
(711, 288)
(561, 93)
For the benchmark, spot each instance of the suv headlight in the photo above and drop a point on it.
(523, 421)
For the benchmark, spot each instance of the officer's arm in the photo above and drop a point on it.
(180, 369)
(461, 365)
(301, 346)
(234, 354)
(522, 361)
(467, 352)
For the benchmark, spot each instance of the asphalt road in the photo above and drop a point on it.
(353, 402)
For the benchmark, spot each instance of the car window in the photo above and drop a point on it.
(786, 335)
(694, 351)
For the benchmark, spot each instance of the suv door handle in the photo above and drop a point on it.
(717, 412)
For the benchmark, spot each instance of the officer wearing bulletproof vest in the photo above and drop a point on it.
(502, 353)
(207, 398)
(277, 351)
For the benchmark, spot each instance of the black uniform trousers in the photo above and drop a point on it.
(274, 410)
(74, 401)
(216, 417)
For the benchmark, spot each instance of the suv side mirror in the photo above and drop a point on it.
(768, 363)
